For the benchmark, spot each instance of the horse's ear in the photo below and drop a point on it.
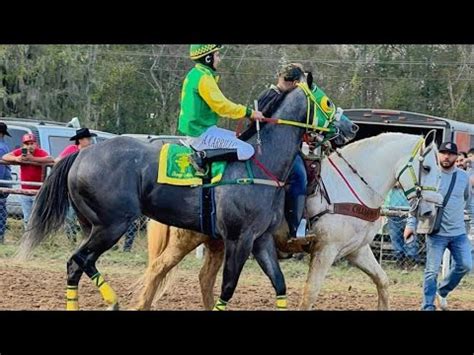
(430, 138)
(309, 79)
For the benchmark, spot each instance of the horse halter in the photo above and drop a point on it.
(414, 189)
(313, 126)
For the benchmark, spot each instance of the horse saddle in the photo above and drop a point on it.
(175, 167)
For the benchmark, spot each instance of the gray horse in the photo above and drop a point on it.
(112, 183)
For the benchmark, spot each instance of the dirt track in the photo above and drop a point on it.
(30, 288)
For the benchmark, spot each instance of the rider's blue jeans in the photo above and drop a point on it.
(297, 179)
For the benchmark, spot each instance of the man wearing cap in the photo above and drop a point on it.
(202, 103)
(452, 233)
(5, 174)
(29, 153)
(82, 138)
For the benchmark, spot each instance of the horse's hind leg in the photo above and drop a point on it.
(321, 261)
(101, 239)
(181, 242)
(365, 260)
(207, 276)
(265, 253)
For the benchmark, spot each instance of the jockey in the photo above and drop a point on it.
(295, 197)
(202, 103)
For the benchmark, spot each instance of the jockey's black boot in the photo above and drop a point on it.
(197, 161)
(294, 210)
(212, 155)
(200, 159)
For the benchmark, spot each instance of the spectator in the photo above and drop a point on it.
(461, 160)
(405, 254)
(5, 174)
(28, 154)
(452, 233)
(82, 139)
(470, 172)
(130, 235)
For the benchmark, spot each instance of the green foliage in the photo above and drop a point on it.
(136, 88)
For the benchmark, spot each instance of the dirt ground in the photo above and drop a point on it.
(27, 287)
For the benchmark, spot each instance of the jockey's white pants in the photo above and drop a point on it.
(219, 138)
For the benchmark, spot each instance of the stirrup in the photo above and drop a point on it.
(301, 231)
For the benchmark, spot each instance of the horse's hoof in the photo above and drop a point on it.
(114, 307)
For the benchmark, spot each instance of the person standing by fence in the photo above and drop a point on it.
(5, 174)
(404, 254)
(456, 191)
(29, 153)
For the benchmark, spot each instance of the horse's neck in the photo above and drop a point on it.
(280, 143)
(279, 147)
(376, 160)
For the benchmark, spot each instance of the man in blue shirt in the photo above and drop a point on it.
(5, 174)
(452, 233)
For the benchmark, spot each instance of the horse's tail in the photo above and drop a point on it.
(158, 235)
(50, 207)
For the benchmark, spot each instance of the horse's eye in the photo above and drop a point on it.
(427, 168)
(326, 104)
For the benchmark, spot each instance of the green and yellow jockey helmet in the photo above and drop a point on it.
(197, 51)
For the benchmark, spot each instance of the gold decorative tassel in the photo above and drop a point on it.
(220, 305)
(282, 302)
(107, 292)
(72, 299)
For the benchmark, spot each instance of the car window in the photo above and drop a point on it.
(57, 144)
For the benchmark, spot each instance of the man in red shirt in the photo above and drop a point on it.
(27, 154)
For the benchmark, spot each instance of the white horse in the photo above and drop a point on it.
(356, 179)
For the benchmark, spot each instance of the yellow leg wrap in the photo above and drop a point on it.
(72, 303)
(107, 292)
(220, 305)
(282, 302)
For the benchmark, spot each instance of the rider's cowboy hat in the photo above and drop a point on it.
(82, 133)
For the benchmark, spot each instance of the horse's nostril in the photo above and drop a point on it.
(355, 128)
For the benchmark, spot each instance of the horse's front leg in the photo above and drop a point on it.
(321, 260)
(180, 244)
(237, 251)
(265, 253)
(364, 259)
(207, 276)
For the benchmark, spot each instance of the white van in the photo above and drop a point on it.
(51, 136)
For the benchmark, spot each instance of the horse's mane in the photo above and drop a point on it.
(377, 140)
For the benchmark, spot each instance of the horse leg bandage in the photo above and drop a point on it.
(107, 292)
(72, 299)
(282, 302)
(220, 305)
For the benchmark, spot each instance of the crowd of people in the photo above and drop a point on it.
(33, 160)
